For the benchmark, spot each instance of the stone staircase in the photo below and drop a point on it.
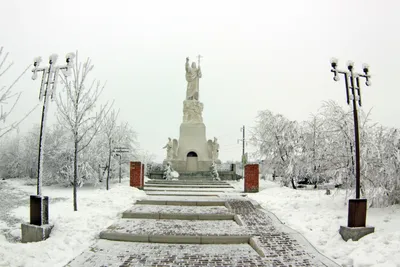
(195, 223)
(200, 175)
(157, 219)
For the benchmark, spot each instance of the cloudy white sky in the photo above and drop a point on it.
(257, 55)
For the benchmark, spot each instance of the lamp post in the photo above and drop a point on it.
(47, 89)
(118, 152)
(357, 207)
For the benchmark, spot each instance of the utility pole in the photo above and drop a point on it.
(243, 140)
(118, 152)
(244, 143)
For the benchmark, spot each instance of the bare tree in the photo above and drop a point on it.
(76, 111)
(8, 97)
(110, 128)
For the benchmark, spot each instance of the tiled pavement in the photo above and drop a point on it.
(267, 241)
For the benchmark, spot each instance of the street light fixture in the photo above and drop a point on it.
(357, 207)
(47, 89)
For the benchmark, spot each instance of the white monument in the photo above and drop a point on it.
(192, 152)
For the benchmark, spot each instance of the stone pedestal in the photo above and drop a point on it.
(192, 138)
(356, 221)
(136, 177)
(355, 233)
(35, 233)
(193, 153)
(38, 229)
(251, 178)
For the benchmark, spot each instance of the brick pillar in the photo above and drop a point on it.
(142, 176)
(136, 174)
(251, 178)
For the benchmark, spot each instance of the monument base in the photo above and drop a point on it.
(223, 175)
(35, 233)
(355, 233)
(182, 166)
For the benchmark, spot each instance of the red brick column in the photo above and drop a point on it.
(142, 176)
(251, 178)
(136, 174)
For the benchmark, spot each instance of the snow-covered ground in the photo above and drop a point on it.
(311, 212)
(318, 217)
(73, 231)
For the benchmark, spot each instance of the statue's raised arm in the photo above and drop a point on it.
(187, 68)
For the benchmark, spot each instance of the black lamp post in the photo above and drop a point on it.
(39, 204)
(357, 207)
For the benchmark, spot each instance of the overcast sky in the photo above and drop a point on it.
(257, 55)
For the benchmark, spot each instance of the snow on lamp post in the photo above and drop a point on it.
(357, 207)
(47, 88)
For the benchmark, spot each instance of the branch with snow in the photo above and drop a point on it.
(9, 98)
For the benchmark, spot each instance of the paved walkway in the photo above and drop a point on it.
(197, 224)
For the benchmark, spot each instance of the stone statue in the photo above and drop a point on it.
(215, 149)
(214, 172)
(168, 172)
(192, 111)
(169, 146)
(193, 74)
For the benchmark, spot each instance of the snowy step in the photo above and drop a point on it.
(181, 201)
(185, 182)
(112, 253)
(177, 231)
(178, 216)
(179, 212)
(195, 178)
(168, 189)
(188, 186)
(177, 193)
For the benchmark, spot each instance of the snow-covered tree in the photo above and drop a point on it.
(110, 128)
(8, 96)
(313, 149)
(339, 146)
(318, 150)
(10, 157)
(126, 137)
(77, 112)
(147, 159)
(380, 171)
(277, 140)
(30, 151)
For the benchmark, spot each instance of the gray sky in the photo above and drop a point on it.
(257, 55)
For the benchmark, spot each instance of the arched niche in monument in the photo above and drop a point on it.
(192, 162)
(192, 154)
